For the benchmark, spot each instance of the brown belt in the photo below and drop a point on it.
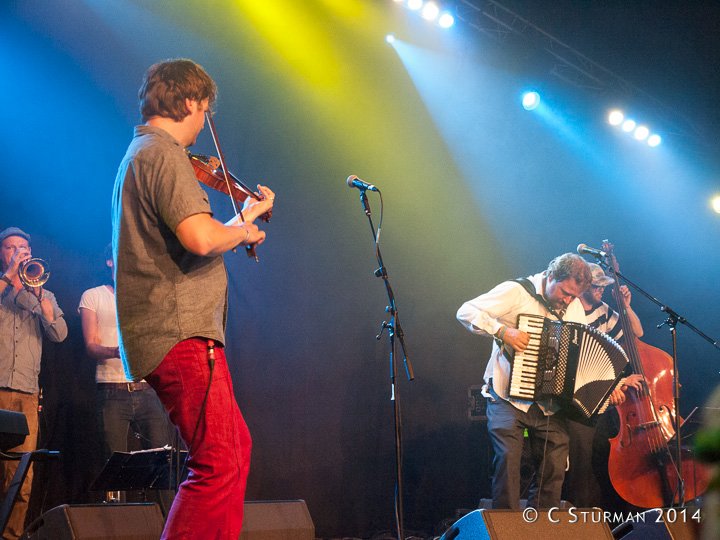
(129, 386)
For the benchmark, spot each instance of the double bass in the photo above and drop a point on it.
(643, 462)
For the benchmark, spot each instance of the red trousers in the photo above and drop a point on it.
(209, 504)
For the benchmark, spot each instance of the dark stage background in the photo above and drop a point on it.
(476, 191)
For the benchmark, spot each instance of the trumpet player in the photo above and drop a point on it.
(26, 313)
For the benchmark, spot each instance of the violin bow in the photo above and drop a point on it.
(216, 141)
(250, 249)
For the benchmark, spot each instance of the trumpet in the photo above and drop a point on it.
(34, 272)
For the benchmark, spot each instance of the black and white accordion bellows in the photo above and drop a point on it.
(577, 364)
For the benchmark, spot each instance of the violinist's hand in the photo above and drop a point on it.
(253, 208)
(254, 236)
(517, 339)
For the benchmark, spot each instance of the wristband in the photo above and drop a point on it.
(247, 235)
(501, 332)
(6, 279)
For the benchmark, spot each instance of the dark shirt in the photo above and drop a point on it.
(165, 294)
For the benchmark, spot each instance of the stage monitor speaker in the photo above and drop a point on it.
(277, 520)
(672, 524)
(98, 522)
(512, 525)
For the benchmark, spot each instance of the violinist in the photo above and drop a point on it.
(171, 290)
(588, 459)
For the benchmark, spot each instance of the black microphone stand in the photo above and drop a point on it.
(394, 330)
(672, 319)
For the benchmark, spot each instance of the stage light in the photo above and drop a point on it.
(715, 203)
(615, 117)
(641, 133)
(628, 125)
(654, 140)
(530, 100)
(446, 20)
(390, 38)
(430, 11)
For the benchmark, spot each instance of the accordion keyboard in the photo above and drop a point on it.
(523, 382)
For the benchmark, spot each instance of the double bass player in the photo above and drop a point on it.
(588, 445)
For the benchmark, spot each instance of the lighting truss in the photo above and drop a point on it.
(567, 64)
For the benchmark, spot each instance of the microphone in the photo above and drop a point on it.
(583, 249)
(354, 182)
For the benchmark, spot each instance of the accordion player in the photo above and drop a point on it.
(572, 362)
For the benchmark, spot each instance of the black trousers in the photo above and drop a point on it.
(548, 439)
(587, 482)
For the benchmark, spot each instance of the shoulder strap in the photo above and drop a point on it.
(530, 288)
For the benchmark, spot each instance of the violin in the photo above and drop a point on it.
(208, 171)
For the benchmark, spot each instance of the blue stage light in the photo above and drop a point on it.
(628, 125)
(641, 133)
(615, 117)
(654, 140)
(530, 100)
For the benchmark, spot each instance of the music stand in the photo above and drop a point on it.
(693, 423)
(140, 470)
(25, 460)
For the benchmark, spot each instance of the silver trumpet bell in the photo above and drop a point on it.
(34, 272)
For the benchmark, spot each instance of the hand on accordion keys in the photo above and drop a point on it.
(517, 339)
(633, 381)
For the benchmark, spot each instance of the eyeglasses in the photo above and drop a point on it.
(599, 286)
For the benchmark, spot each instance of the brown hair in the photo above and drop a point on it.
(167, 84)
(571, 266)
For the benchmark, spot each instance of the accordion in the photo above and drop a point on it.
(572, 362)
